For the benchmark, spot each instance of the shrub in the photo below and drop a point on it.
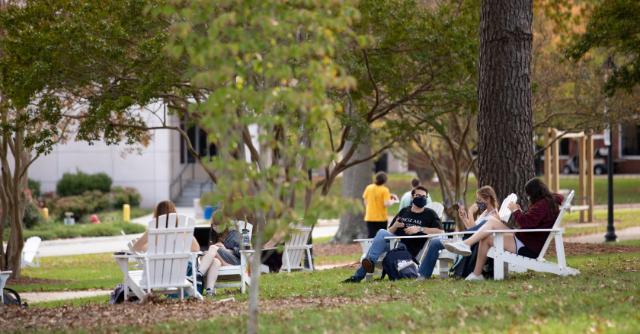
(87, 203)
(124, 195)
(32, 216)
(59, 231)
(34, 186)
(79, 183)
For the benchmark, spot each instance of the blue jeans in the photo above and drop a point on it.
(433, 252)
(379, 246)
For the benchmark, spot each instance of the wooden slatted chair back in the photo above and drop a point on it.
(294, 247)
(169, 249)
(566, 205)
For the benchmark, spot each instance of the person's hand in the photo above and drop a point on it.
(473, 208)
(394, 198)
(411, 230)
(462, 212)
(513, 206)
(398, 224)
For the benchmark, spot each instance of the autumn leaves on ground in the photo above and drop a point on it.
(604, 297)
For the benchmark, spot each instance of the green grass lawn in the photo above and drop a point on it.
(603, 299)
(623, 218)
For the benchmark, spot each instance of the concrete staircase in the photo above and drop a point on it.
(193, 189)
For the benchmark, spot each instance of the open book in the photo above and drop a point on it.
(504, 212)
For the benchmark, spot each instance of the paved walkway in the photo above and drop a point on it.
(632, 233)
(39, 297)
(93, 245)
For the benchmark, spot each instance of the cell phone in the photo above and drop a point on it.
(460, 204)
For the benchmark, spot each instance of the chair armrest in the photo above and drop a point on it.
(362, 240)
(527, 230)
(430, 236)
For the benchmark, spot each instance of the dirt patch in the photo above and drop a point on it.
(336, 249)
(108, 317)
(571, 248)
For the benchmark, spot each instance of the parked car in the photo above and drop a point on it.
(599, 163)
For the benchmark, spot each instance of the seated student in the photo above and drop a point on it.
(485, 205)
(542, 213)
(224, 250)
(414, 220)
(163, 208)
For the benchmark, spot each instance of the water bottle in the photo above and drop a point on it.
(246, 239)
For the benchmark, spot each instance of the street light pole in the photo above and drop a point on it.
(611, 232)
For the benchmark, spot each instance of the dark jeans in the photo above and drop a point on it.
(433, 252)
(373, 227)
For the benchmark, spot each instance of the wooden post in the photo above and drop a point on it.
(582, 168)
(547, 157)
(590, 190)
(556, 162)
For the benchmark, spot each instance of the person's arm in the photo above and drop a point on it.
(388, 198)
(531, 218)
(395, 224)
(141, 244)
(195, 246)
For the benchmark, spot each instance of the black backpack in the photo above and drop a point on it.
(11, 297)
(399, 256)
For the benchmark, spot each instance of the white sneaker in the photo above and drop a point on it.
(458, 247)
(474, 277)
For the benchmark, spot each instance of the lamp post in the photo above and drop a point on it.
(610, 236)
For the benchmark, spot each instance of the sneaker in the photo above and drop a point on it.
(352, 279)
(421, 278)
(458, 247)
(368, 265)
(474, 277)
(209, 292)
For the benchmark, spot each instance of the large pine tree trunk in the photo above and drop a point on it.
(354, 180)
(505, 124)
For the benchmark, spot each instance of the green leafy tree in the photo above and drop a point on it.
(78, 69)
(614, 27)
(268, 66)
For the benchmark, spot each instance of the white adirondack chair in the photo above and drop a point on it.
(4, 276)
(165, 263)
(437, 207)
(295, 250)
(238, 276)
(503, 259)
(31, 253)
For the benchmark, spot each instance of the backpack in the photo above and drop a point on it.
(399, 264)
(11, 297)
(117, 295)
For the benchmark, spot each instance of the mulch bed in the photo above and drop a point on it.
(331, 249)
(571, 248)
(107, 318)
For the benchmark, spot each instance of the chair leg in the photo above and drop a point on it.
(181, 293)
(310, 259)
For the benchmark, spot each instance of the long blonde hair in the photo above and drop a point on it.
(487, 193)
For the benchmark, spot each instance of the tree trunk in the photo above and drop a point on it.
(505, 123)
(354, 180)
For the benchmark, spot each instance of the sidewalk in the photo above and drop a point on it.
(93, 245)
(632, 233)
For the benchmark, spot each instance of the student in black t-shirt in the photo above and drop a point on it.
(414, 220)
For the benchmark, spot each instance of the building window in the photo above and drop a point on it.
(200, 143)
(630, 139)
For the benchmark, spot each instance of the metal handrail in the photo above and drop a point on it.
(179, 181)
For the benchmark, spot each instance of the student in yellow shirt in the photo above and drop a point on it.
(377, 198)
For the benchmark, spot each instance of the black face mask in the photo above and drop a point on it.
(420, 201)
(481, 206)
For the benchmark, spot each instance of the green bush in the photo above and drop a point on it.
(34, 186)
(87, 203)
(56, 230)
(31, 216)
(79, 183)
(124, 195)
